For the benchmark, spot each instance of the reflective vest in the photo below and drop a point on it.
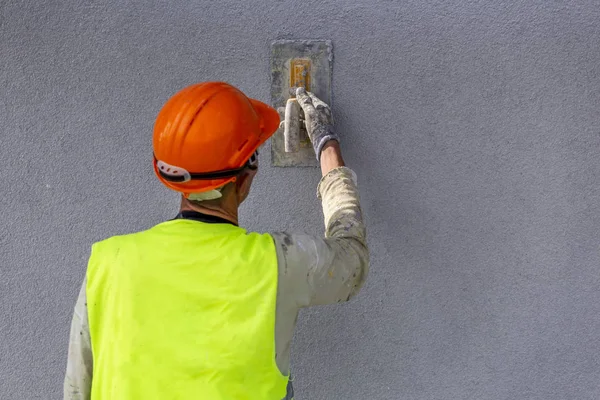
(184, 310)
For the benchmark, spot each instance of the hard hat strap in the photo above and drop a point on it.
(225, 173)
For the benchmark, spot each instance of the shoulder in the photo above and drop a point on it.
(296, 248)
(127, 237)
(263, 241)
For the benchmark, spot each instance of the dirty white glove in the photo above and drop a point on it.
(318, 120)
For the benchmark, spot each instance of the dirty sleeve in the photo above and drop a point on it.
(78, 378)
(330, 269)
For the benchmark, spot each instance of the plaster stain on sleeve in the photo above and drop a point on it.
(287, 239)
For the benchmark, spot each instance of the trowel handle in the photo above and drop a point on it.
(291, 126)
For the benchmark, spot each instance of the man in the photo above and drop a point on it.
(196, 307)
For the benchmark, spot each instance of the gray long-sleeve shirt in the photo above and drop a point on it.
(311, 271)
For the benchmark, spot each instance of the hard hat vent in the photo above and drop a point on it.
(172, 173)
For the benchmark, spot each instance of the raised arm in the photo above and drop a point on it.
(329, 269)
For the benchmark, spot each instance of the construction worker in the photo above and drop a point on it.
(196, 307)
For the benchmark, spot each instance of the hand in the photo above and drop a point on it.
(318, 120)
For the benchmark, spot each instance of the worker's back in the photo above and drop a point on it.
(184, 308)
(196, 308)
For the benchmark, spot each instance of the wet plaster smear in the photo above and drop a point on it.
(473, 127)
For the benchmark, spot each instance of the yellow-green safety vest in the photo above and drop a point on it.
(184, 310)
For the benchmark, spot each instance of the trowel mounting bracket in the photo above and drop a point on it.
(295, 63)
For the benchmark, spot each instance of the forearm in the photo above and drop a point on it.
(340, 199)
(331, 157)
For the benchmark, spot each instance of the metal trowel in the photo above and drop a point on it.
(297, 63)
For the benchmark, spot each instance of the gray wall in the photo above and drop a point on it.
(474, 128)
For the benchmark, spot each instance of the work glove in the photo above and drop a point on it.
(318, 120)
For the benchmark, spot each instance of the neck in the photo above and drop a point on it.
(224, 209)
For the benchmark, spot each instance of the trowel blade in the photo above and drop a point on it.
(298, 62)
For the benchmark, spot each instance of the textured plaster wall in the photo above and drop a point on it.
(474, 128)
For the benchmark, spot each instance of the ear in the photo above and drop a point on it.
(245, 178)
(243, 183)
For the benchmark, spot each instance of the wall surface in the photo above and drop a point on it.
(474, 127)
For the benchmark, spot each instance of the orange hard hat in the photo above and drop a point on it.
(205, 135)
